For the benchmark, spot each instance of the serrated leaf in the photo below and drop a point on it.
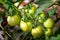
(51, 12)
(42, 7)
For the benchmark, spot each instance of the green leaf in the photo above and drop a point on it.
(42, 7)
(43, 1)
(6, 14)
(1, 1)
(55, 38)
(51, 12)
(0, 14)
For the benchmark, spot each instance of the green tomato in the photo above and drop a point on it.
(49, 23)
(25, 26)
(26, 10)
(40, 21)
(13, 20)
(48, 32)
(42, 15)
(29, 23)
(32, 10)
(37, 32)
(41, 18)
(34, 7)
(42, 12)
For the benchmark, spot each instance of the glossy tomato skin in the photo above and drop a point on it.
(13, 20)
(37, 32)
(48, 32)
(49, 23)
(25, 26)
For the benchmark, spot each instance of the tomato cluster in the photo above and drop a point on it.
(27, 23)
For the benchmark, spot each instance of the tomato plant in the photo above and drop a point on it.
(29, 19)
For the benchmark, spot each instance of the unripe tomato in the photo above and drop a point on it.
(37, 32)
(13, 20)
(29, 23)
(25, 26)
(32, 10)
(42, 12)
(42, 15)
(49, 23)
(40, 21)
(48, 32)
